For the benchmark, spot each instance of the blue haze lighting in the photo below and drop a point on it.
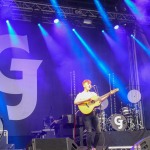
(104, 16)
(12, 33)
(90, 51)
(59, 14)
(69, 33)
(102, 66)
(146, 49)
(10, 29)
(57, 8)
(133, 8)
(44, 32)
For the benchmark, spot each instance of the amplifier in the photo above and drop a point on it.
(49, 133)
(53, 144)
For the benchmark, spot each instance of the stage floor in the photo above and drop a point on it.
(119, 138)
(122, 138)
(109, 138)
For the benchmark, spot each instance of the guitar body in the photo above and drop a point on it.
(87, 107)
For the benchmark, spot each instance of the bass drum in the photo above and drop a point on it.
(117, 122)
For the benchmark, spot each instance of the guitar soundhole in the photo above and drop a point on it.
(92, 101)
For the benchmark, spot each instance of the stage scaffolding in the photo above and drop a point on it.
(45, 13)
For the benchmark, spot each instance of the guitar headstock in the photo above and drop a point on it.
(114, 91)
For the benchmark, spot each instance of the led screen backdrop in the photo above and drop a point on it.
(36, 66)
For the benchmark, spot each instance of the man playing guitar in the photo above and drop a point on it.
(91, 120)
(87, 101)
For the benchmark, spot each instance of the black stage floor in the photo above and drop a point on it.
(122, 138)
(109, 138)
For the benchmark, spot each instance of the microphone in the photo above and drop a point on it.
(93, 85)
(95, 88)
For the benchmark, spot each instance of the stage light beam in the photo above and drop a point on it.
(103, 66)
(43, 31)
(134, 9)
(145, 48)
(12, 33)
(104, 17)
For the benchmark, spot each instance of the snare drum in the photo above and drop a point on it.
(126, 111)
(118, 122)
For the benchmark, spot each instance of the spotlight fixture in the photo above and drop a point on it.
(116, 27)
(103, 31)
(87, 21)
(56, 20)
(7, 21)
(73, 29)
(124, 24)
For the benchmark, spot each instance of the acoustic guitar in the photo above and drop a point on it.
(88, 106)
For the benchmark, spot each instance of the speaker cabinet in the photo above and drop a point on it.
(3, 139)
(54, 144)
(143, 144)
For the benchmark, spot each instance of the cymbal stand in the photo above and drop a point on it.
(131, 124)
(138, 122)
(102, 117)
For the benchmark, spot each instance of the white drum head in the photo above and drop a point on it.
(104, 104)
(134, 96)
(118, 122)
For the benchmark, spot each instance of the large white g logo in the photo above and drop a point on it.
(119, 122)
(27, 86)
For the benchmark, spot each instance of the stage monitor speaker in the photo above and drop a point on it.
(54, 144)
(143, 144)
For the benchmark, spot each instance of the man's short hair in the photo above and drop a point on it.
(86, 81)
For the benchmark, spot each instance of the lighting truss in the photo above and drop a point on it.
(26, 11)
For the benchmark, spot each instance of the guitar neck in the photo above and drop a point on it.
(103, 97)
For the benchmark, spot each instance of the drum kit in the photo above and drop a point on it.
(127, 120)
